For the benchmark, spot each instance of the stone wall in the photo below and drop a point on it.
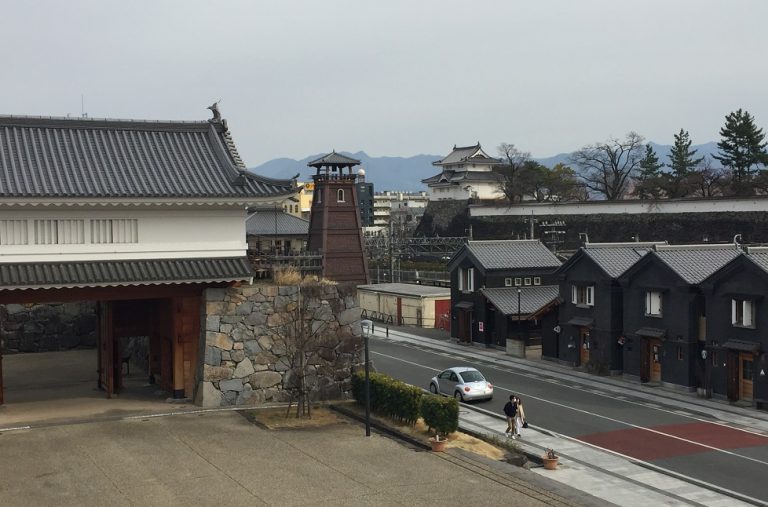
(48, 327)
(245, 342)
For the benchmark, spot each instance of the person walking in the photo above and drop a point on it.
(519, 417)
(510, 410)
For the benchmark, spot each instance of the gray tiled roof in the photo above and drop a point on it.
(44, 157)
(465, 154)
(513, 254)
(532, 299)
(694, 263)
(760, 258)
(334, 158)
(40, 275)
(407, 289)
(459, 176)
(271, 222)
(616, 259)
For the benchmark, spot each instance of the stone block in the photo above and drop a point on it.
(238, 346)
(265, 379)
(215, 308)
(276, 319)
(212, 323)
(208, 396)
(226, 328)
(265, 342)
(349, 316)
(237, 355)
(215, 294)
(241, 333)
(216, 373)
(265, 358)
(244, 397)
(14, 309)
(231, 385)
(249, 291)
(244, 308)
(244, 368)
(252, 347)
(269, 291)
(256, 318)
(212, 356)
(219, 340)
(287, 290)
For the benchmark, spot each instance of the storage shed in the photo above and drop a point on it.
(406, 304)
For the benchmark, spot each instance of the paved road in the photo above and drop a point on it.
(686, 443)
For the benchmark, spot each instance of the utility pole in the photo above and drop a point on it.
(391, 253)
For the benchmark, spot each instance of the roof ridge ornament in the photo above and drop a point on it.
(216, 113)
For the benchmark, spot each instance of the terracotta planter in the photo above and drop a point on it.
(438, 445)
(549, 463)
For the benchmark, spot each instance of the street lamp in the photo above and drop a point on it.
(366, 326)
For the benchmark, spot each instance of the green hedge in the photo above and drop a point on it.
(440, 414)
(389, 397)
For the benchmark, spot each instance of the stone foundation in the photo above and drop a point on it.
(246, 360)
(48, 327)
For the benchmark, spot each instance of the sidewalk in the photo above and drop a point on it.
(606, 475)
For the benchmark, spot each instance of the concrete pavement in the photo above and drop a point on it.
(604, 474)
(219, 458)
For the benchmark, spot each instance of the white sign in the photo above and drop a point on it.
(480, 326)
(762, 373)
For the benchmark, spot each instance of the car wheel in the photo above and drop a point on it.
(433, 388)
(458, 396)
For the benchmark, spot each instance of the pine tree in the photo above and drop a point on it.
(683, 165)
(649, 177)
(681, 156)
(742, 148)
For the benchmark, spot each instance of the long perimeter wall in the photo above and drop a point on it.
(677, 221)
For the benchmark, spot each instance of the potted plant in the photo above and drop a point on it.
(550, 460)
(438, 443)
(441, 415)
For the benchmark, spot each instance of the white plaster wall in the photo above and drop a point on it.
(162, 233)
(626, 207)
(484, 191)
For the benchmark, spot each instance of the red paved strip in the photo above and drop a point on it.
(649, 445)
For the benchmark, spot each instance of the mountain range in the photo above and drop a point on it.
(406, 173)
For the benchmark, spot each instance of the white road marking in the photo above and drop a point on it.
(587, 412)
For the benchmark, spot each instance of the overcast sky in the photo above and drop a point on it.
(394, 77)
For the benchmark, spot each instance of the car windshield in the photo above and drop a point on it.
(472, 376)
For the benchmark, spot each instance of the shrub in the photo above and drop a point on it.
(440, 414)
(389, 397)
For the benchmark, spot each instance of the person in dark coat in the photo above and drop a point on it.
(510, 411)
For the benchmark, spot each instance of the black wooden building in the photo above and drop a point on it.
(590, 324)
(664, 312)
(501, 290)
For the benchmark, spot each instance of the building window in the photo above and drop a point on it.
(743, 312)
(340, 195)
(467, 279)
(653, 303)
(527, 281)
(583, 295)
(536, 280)
(114, 231)
(13, 232)
(518, 282)
(507, 282)
(59, 232)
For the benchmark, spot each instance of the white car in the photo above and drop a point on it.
(463, 383)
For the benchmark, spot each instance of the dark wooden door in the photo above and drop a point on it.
(584, 346)
(733, 375)
(655, 373)
(106, 345)
(463, 317)
(746, 375)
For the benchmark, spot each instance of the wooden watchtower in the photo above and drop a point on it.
(334, 225)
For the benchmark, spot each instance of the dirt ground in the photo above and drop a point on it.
(275, 419)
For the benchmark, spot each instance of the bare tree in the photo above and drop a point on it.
(310, 342)
(608, 167)
(514, 160)
(708, 181)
